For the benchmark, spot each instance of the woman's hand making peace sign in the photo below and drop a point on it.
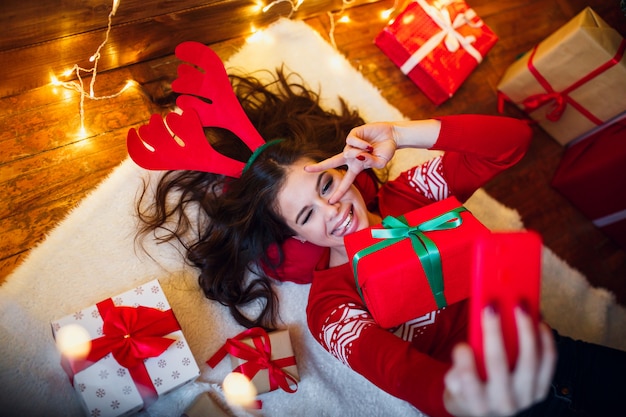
(372, 145)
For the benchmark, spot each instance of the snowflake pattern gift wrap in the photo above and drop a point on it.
(414, 264)
(136, 352)
(572, 81)
(437, 44)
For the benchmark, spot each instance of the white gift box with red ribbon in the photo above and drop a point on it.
(136, 352)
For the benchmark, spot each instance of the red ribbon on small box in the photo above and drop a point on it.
(257, 358)
(560, 99)
(131, 335)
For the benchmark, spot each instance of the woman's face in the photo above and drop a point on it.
(303, 202)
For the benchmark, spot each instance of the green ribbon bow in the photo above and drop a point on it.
(397, 229)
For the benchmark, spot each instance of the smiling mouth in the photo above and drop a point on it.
(344, 226)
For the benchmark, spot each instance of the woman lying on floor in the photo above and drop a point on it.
(282, 211)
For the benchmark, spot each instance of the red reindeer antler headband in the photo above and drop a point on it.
(207, 100)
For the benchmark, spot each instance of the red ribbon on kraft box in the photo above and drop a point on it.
(258, 355)
(560, 99)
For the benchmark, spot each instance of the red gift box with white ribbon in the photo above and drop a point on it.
(572, 81)
(414, 264)
(134, 351)
(592, 176)
(437, 44)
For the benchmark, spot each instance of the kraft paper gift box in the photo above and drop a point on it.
(572, 81)
(592, 176)
(136, 352)
(417, 263)
(206, 405)
(267, 359)
(437, 44)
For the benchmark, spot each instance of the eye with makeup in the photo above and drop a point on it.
(326, 185)
(308, 216)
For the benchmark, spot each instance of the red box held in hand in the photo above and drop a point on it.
(506, 274)
(416, 263)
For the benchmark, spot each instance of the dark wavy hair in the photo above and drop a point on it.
(226, 225)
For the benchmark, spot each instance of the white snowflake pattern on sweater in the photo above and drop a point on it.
(427, 179)
(342, 327)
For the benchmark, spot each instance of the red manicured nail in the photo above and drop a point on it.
(524, 306)
(492, 308)
(370, 149)
(360, 157)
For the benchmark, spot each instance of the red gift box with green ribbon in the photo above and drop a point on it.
(135, 351)
(266, 359)
(411, 265)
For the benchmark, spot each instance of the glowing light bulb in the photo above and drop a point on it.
(129, 84)
(255, 36)
(336, 63)
(82, 132)
(344, 19)
(238, 390)
(258, 6)
(386, 13)
(73, 341)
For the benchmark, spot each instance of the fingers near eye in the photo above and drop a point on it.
(332, 162)
(343, 186)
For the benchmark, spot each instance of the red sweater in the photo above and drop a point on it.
(410, 362)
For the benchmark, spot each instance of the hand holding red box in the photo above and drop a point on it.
(506, 274)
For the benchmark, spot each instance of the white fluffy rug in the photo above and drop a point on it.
(92, 256)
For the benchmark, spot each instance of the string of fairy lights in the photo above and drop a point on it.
(78, 84)
(78, 73)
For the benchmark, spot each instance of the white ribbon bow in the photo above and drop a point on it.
(451, 38)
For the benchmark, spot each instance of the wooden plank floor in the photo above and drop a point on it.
(46, 168)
